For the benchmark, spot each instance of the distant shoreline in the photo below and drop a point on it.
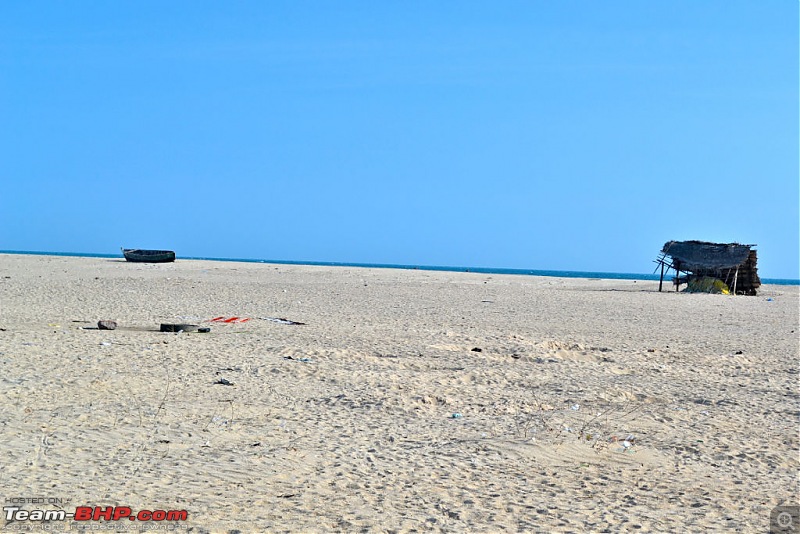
(482, 270)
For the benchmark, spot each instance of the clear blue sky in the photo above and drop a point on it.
(573, 135)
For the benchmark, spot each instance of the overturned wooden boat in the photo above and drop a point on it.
(148, 256)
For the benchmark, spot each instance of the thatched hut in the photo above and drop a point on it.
(732, 264)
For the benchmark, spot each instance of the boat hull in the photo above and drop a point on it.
(148, 256)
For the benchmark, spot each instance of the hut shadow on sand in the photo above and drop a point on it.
(710, 267)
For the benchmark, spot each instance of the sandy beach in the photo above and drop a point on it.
(408, 401)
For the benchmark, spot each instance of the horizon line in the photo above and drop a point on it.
(446, 268)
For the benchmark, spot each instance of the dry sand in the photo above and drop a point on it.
(347, 423)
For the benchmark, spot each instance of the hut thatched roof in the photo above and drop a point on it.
(702, 256)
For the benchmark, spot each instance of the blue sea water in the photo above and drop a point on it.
(484, 270)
